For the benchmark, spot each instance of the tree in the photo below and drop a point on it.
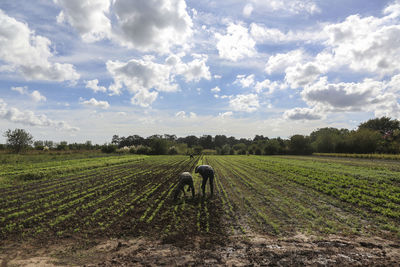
(384, 125)
(159, 146)
(300, 145)
(19, 139)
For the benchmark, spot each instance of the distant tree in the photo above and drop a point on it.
(18, 140)
(172, 150)
(220, 140)
(225, 150)
(300, 145)
(272, 147)
(197, 150)
(49, 144)
(63, 145)
(206, 141)
(365, 141)
(38, 145)
(108, 148)
(159, 146)
(384, 125)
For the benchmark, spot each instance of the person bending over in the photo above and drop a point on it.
(206, 172)
(185, 178)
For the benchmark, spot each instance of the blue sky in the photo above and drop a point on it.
(85, 70)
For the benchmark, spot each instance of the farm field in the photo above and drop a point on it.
(266, 210)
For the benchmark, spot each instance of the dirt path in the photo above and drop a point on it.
(238, 251)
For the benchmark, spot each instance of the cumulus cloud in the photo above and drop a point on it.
(245, 81)
(302, 75)
(153, 25)
(347, 96)
(302, 114)
(246, 103)
(194, 70)
(364, 44)
(144, 98)
(95, 103)
(28, 117)
(236, 43)
(323, 97)
(89, 18)
(35, 95)
(30, 54)
(267, 84)
(94, 85)
(140, 76)
(281, 61)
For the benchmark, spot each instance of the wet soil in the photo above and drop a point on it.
(243, 250)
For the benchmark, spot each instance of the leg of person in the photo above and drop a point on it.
(203, 185)
(192, 187)
(212, 183)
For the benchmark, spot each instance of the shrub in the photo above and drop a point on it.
(143, 150)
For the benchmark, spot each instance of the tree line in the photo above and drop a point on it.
(379, 135)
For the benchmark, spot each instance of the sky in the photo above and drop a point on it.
(77, 70)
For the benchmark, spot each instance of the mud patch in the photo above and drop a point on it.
(243, 250)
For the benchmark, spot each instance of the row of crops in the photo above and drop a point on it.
(132, 195)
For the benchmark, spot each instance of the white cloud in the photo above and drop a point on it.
(302, 114)
(95, 103)
(22, 90)
(153, 25)
(245, 81)
(247, 10)
(302, 75)
(343, 96)
(290, 6)
(216, 89)
(236, 44)
(28, 117)
(364, 44)
(144, 98)
(246, 103)
(89, 18)
(30, 54)
(267, 84)
(37, 97)
(140, 75)
(225, 115)
(263, 34)
(194, 70)
(281, 61)
(94, 85)
(121, 113)
(182, 115)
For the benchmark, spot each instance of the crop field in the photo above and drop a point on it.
(131, 196)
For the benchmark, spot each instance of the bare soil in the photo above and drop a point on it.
(244, 250)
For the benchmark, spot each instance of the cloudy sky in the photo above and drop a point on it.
(80, 70)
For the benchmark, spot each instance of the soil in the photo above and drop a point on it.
(243, 250)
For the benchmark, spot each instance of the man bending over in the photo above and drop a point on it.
(185, 178)
(206, 172)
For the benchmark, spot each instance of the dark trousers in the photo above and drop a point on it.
(203, 185)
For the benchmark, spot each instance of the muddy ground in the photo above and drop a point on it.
(248, 250)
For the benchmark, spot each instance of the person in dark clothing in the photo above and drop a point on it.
(206, 172)
(191, 156)
(185, 178)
